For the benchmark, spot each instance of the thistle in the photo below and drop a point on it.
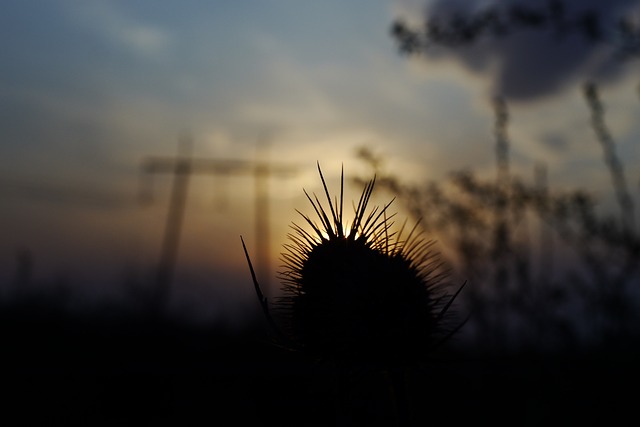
(360, 293)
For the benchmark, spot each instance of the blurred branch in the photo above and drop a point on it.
(611, 158)
(462, 29)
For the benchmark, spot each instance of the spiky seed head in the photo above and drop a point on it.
(361, 293)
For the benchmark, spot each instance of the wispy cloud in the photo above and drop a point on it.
(106, 19)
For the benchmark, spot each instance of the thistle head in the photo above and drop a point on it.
(361, 293)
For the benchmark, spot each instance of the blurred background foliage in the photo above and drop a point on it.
(548, 269)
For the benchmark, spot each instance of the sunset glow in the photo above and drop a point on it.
(90, 89)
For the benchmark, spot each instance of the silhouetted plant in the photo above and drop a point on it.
(361, 296)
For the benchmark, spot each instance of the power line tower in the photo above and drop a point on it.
(182, 166)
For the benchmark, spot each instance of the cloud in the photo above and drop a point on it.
(529, 49)
(121, 29)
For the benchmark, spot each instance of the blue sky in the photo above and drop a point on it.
(89, 88)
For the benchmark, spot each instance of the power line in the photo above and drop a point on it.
(182, 167)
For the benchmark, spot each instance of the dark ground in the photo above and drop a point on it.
(96, 369)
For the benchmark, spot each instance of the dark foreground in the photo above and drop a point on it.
(116, 370)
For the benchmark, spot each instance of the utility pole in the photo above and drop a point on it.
(182, 166)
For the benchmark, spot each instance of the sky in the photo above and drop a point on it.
(89, 89)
